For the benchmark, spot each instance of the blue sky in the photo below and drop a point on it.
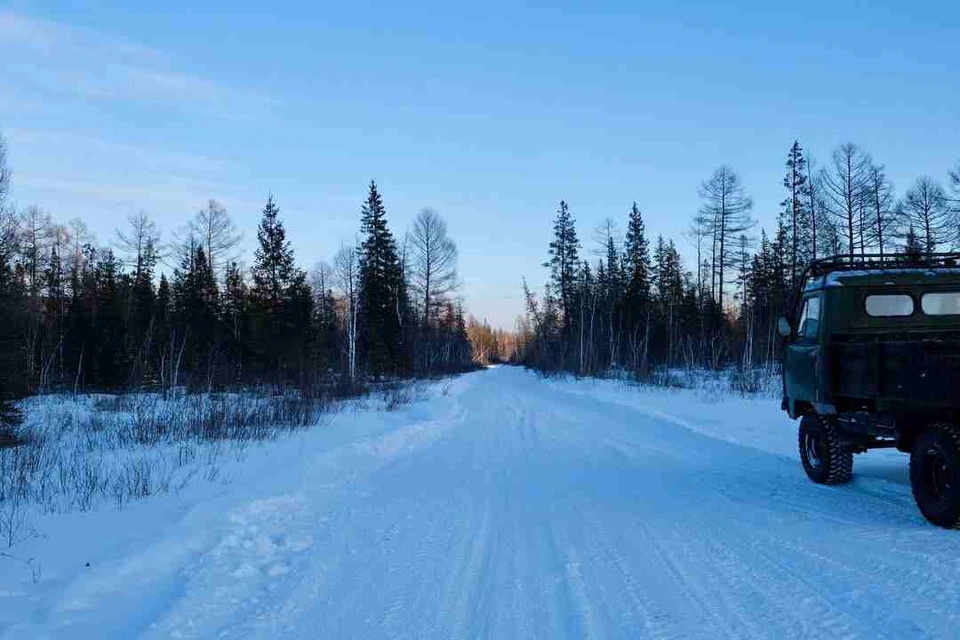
(490, 114)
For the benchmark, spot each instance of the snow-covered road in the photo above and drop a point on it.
(507, 506)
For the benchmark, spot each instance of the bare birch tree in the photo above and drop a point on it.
(346, 265)
(321, 277)
(35, 228)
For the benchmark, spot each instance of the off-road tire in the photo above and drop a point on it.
(936, 451)
(829, 462)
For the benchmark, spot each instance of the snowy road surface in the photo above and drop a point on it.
(507, 506)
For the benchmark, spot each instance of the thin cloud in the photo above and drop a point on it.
(74, 149)
(165, 198)
(46, 56)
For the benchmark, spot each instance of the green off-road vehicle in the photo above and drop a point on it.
(872, 360)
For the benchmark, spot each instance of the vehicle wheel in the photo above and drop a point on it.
(824, 458)
(935, 474)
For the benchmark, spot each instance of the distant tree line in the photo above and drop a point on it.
(636, 309)
(493, 346)
(80, 316)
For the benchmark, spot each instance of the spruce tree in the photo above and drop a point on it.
(795, 216)
(235, 302)
(11, 301)
(54, 311)
(610, 281)
(913, 248)
(564, 262)
(667, 280)
(325, 327)
(280, 298)
(273, 267)
(195, 302)
(383, 295)
(636, 272)
(614, 268)
(461, 339)
(163, 313)
(110, 355)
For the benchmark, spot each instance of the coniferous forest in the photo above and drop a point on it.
(638, 311)
(144, 312)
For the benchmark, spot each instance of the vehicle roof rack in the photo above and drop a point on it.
(823, 266)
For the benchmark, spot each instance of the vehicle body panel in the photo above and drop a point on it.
(858, 361)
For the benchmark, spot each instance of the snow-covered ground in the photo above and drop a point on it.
(505, 506)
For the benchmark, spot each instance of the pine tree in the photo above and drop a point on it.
(383, 295)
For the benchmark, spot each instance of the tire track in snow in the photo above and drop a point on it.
(513, 509)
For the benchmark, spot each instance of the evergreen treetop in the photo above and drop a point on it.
(636, 259)
(564, 258)
(273, 270)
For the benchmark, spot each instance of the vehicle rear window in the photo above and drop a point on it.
(889, 305)
(941, 304)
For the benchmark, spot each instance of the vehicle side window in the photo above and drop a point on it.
(889, 305)
(941, 304)
(809, 324)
